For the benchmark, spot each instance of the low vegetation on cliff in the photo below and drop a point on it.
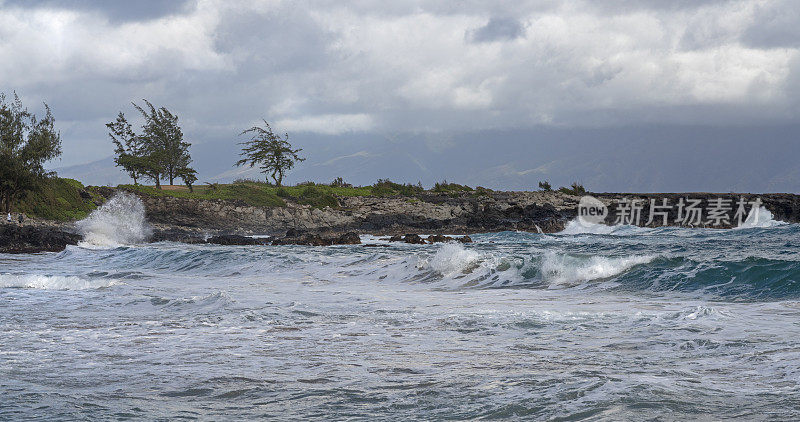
(58, 199)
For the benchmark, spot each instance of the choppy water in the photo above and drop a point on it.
(634, 324)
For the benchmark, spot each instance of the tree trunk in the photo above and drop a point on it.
(158, 181)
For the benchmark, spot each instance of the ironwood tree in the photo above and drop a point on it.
(26, 144)
(272, 153)
(159, 152)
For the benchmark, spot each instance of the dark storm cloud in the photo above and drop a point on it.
(115, 10)
(775, 25)
(498, 28)
(377, 69)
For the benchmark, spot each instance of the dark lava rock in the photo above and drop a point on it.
(414, 239)
(32, 239)
(176, 235)
(236, 240)
(349, 238)
(436, 238)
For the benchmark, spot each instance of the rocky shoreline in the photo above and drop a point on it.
(399, 218)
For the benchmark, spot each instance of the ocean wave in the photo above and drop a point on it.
(575, 227)
(565, 269)
(120, 221)
(457, 266)
(760, 218)
(53, 282)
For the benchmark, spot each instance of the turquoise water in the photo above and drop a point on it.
(634, 324)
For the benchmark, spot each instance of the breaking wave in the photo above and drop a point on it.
(560, 269)
(120, 221)
(52, 282)
(575, 227)
(760, 218)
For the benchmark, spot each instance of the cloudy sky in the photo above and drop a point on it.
(499, 93)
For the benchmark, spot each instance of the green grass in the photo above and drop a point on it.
(249, 193)
(57, 199)
(261, 194)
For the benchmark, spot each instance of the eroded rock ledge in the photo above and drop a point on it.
(403, 218)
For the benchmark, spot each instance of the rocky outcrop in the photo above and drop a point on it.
(234, 239)
(666, 206)
(425, 213)
(31, 239)
(435, 238)
(311, 239)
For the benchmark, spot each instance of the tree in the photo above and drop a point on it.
(158, 152)
(129, 147)
(188, 175)
(273, 154)
(26, 144)
(164, 145)
(545, 186)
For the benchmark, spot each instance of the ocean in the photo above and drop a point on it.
(594, 323)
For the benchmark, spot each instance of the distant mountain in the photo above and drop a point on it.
(97, 173)
(651, 159)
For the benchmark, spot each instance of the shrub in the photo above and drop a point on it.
(340, 183)
(575, 189)
(56, 199)
(317, 198)
(385, 187)
(444, 187)
(482, 191)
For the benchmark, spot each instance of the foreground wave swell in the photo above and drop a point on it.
(621, 323)
(711, 263)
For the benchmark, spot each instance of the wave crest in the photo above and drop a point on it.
(52, 282)
(120, 221)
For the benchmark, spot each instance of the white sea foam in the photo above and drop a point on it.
(565, 269)
(52, 282)
(760, 218)
(452, 259)
(576, 227)
(120, 221)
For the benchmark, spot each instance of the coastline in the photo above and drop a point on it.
(224, 221)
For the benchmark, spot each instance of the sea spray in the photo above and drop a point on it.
(53, 282)
(564, 270)
(760, 218)
(120, 221)
(452, 259)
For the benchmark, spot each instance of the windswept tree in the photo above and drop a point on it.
(272, 153)
(159, 152)
(164, 141)
(129, 147)
(188, 175)
(26, 144)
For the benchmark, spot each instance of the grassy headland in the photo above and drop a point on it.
(261, 194)
(58, 199)
(63, 199)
